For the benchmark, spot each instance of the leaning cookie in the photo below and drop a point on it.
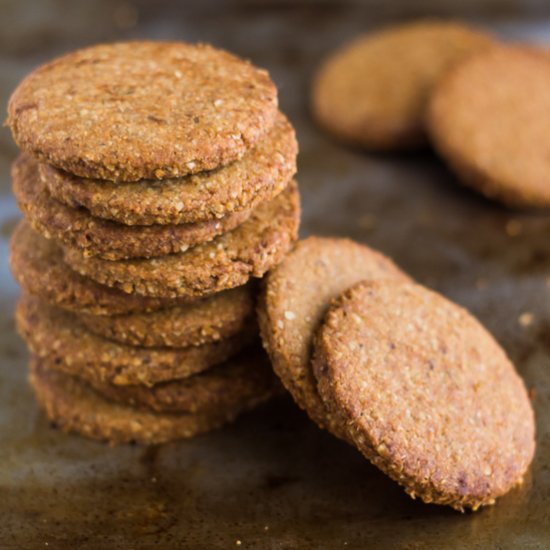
(425, 393)
(373, 92)
(230, 260)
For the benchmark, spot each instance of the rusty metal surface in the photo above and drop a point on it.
(273, 480)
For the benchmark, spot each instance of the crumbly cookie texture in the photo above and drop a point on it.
(228, 261)
(259, 176)
(212, 319)
(293, 300)
(499, 99)
(37, 265)
(134, 110)
(58, 336)
(106, 239)
(75, 407)
(374, 91)
(426, 393)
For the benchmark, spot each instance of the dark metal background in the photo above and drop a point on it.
(273, 480)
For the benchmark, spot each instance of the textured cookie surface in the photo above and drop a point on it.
(74, 407)
(228, 261)
(260, 175)
(136, 110)
(373, 92)
(426, 393)
(58, 336)
(104, 238)
(293, 301)
(220, 316)
(37, 265)
(499, 99)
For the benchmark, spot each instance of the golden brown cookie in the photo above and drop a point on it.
(135, 110)
(373, 92)
(74, 407)
(293, 301)
(222, 315)
(57, 335)
(426, 393)
(37, 265)
(487, 118)
(103, 238)
(228, 261)
(259, 176)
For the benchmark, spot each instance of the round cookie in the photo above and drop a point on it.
(292, 303)
(37, 265)
(58, 336)
(103, 238)
(425, 393)
(134, 110)
(215, 318)
(75, 407)
(373, 92)
(228, 261)
(260, 175)
(499, 99)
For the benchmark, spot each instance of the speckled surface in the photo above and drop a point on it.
(273, 480)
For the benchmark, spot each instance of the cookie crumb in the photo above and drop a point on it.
(526, 319)
(514, 228)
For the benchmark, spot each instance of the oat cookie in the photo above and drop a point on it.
(228, 261)
(260, 175)
(373, 92)
(74, 407)
(103, 238)
(58, 336)
(293, 301)
(425, 392)
(500, 100)
(133, 110)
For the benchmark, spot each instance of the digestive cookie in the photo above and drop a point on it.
(211, 319)
(75, 407)
(487, 119)
(97, 237)
(134, 110)
(58, 336)
(293, 301)
(426, 393)
(228, 261)
(373, 92)
(259, 176)
(37, 265)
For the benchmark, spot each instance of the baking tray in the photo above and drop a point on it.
(273, 480)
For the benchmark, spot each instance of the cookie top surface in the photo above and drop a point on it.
(37, 265)
(500, 100)
(104, 238)
(294, 299)
(230, 260)
(262, 173)
(426, 393)
(373, 92)
(133, 110)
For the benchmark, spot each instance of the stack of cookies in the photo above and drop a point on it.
(156, 183)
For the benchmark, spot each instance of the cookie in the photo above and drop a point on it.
(260, 175)
(37, 265)
(57, 335)
(228, 261)
(220, 316)
(134, 110)
(500, 100)
(238, 380)
(426, 393)
(373, 92)
(103, 238)
(292, 303)
(74, 407)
